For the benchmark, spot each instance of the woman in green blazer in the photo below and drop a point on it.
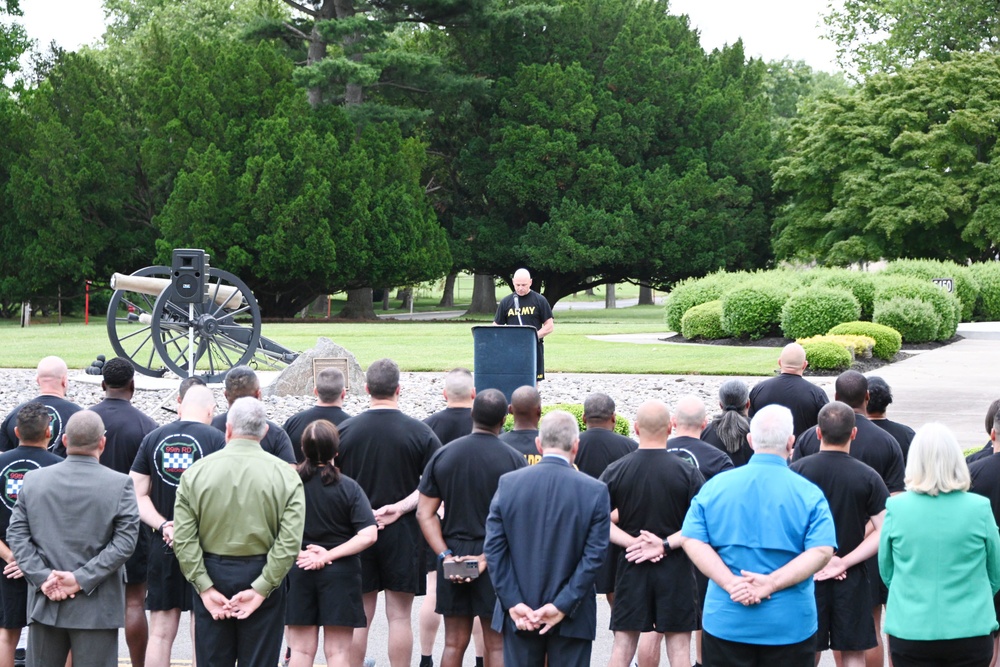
(939, 555)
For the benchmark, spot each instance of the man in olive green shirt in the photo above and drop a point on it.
(238, 523)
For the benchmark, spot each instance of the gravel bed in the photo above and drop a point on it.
(421, 393)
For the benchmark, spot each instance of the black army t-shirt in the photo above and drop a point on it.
(14, 465)
(872, 446)
(60, 410)
(703, 456)
(854, 491)
(465, 475)
(652, 490)
(335, 512)
(450, 424)
(523, 441)
(599, 448)
(295, 425)
(529, 310)
(385, 452)
(170, 450)
(275, 441)
(739, 458)
(125, 427)
(901, 432)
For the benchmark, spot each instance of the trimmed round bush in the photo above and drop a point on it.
(812, 311)
(858, 346)
(946, 306)
(887, 340)
(754, 311)
(694, 292)
(827, 355)
(622, 425)
(988, 276)
(858, 283)
(966, 285)
(914, 319)
(704, 321)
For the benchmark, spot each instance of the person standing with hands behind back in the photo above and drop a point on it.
(527, 308)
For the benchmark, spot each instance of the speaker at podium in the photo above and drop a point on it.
(504, 357)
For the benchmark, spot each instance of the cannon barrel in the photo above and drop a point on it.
(226, 296)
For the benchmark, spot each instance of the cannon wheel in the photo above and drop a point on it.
(225, 335)
(130, 317)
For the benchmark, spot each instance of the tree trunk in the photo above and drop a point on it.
(448, 296)
(407, 297)
(484, 295)
(359, 305)
(385, 298)
(589, 291)
(645, 295)
(609, 296)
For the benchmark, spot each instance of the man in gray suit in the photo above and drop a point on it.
(72, 529)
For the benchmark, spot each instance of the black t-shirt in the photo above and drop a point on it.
(872, 445)
(529, 310)
(296, 424)
(703, 456)
(170, 450)
(652, 490)
(14, 465)
(385, 452)
(450, 424)
(983, 453)
(599, 448)
(985, 475)
(465, 475)
(126, 426)
(739, 458)
(796, 393)
(523, 441)
(854, 491)
(60, 410)
(901, 432)
(276, 440)
(335, 512)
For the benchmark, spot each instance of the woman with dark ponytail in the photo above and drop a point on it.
(324, 589)
(728, 431)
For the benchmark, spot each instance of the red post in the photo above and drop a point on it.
(86, 303)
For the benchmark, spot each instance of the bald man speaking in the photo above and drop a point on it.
(529, 308)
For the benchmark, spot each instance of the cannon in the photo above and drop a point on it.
(203, 322)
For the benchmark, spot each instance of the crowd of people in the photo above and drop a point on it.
(782, 528)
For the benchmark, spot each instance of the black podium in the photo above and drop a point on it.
(504, 357)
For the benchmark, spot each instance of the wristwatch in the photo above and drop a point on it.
(666, 545)
(444, 554)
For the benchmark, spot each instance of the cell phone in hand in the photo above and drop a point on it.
(465, 569)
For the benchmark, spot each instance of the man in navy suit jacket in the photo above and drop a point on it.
(546, 538)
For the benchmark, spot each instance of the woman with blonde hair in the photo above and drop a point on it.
(940, 557)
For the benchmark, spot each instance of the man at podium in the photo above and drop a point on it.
(529, 308)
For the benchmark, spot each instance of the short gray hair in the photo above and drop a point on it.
(598, 407)
(459, 384)
(935, 463)
(241, 381)
(247, 418)
(84, 430)
(559, 430)
(770, 429)
(382, 378)
(329, 384)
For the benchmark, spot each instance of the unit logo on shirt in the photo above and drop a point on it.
(55, 427)
(13, 480)
(686, 455)
(175, 454)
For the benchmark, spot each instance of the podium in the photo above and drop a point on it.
(504, 357)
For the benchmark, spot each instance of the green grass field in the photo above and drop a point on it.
(437, 346)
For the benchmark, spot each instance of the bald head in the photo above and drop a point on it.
(526, 406)
(792, 359)
(689, 416)
(652, 424)
(198, 405)
(522, 282)
(52, 376)
(84, 434)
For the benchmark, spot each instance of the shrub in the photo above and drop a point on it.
(704, 321)
(858, 283)
(988, 276)
(887, 340)
(694, 292)
(966, 285)
(753, 311)
(812, 311)
(946, 306)
(622, 425)
(827, 355)
(858, 346)
(914, 319)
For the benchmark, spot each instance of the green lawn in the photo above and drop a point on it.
(437, 346)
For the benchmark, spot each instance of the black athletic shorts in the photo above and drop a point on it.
(716, 652)
(840, 605)
(396, 561)
(660, 597)
(609, 571)
(135, 566)
(13, 602)
(166, 587)
(540, 362)
(328, 596)
(476, 598)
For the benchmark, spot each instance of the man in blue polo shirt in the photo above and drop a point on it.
(759, 533)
